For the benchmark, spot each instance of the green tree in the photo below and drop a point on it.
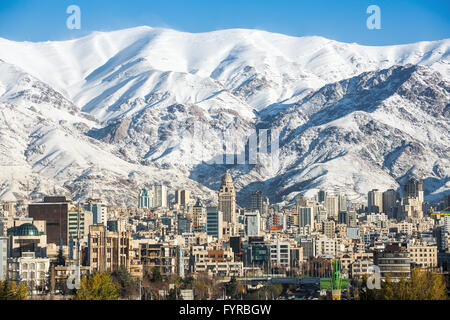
(61, 260)
(12, 291)
(156, 275)
(99, 286)
(129, 287)
(174, 294)
(421, 285)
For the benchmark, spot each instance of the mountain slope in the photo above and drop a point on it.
(111, 112)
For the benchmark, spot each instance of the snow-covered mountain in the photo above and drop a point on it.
(113, 111)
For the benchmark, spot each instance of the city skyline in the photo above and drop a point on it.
(235, 154)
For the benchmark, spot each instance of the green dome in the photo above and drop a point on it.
(26, 229)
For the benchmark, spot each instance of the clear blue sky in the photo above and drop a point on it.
(343, 20)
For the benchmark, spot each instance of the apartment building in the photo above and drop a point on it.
(423, 254)
(108, 250)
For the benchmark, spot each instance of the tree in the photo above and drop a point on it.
(421, 285)
(156, 275)
(129, 287)
(12, 291)
(174, 294)
(234, 288)
(99, 286)
(61, 260)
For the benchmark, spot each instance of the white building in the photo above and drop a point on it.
(280, 254)
(252, 224)
(160, 199)
(28, 269)
(3, 258)
(376, 217)
(332, 206)
(325, 247)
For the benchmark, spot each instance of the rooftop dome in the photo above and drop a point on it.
(26, 229)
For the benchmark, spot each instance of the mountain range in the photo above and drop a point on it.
(106, 114)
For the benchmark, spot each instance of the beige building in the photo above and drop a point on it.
(216, 261)
(329, 229)
(423, 254)
(375, 201)
(182, 198)
(163, 256)
(325, 247)
(108, 251)
(359, 268)
(332, 206)
(227, 199)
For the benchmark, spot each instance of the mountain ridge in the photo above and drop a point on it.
(119, 113)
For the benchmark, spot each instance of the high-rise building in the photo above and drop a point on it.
(343, 217)
(182, 197)
(252, 224)
(257, 202)
(375, 201)
(99, 211)
(160, 196)
(352, 217)
(80, 220)
(227, 199)
(3, 227)
(54, 210)
(332, 206)
(321, 196)
(199, 217)
(145, 199)
(257, 252)
(301, 201)
(342, 202)
(389, 202)
(305, 216)
(214, 221)
(413, 189)
(184, 223)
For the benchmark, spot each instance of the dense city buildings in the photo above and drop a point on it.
(182, 198)
(375, 201)
(394, 231)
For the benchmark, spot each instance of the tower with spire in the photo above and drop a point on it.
(227, 199)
